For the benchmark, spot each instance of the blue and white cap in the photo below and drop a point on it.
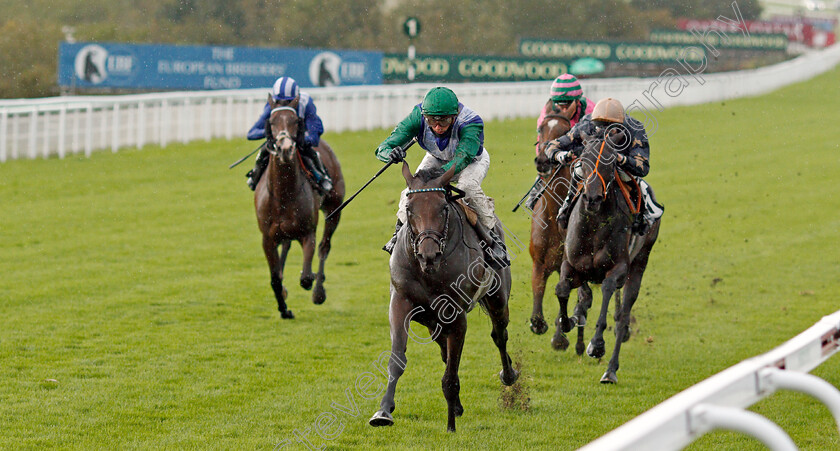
(285, 88)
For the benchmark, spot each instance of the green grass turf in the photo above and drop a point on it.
(137, 282)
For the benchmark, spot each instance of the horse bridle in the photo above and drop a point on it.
(272, 147)
(438, 237)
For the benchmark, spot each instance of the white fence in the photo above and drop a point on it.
(718, 402)
(32, 128)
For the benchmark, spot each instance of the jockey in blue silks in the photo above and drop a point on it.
(286, 91)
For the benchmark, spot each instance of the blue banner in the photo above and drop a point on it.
(144, 66)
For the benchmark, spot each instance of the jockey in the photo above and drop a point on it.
(452, 135)
(566, 98)
(286, 91)
(608, 117)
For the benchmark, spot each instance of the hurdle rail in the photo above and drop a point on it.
(719, 402)
(61, 126)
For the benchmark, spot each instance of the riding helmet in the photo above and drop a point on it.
(440, 101)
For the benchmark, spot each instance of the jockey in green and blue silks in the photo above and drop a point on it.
(452, 135)
(286, 90)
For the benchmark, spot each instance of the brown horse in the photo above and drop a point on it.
(546, 245)
(438, 273)
(287, 205)
(600, 248)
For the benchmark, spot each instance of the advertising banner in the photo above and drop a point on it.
(796, 31)
(624, 52)
(758, 41)
(465, 68)
(146, 66)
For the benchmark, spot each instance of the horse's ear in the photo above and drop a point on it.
(271, 102)
(447, 176)
(406, 171)
(294, 103)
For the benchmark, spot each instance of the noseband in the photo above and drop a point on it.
(434, 235)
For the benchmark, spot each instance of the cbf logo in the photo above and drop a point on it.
(328, 69)
(94, 64)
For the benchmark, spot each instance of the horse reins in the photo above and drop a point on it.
(434, 235)
(624, 190)
(595, 171)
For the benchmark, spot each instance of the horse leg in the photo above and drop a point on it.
(539, 276)
(499, 313)
(319, 295)
(568, 281)
(622, 327)
(450, 383)
(275, 267)
(307, 243)
(597, 348)
(399, 310)
(581, 309)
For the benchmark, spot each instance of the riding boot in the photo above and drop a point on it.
(316, 166)
(494, 250)
(255, 174)
(389, 246)
(566, 209)
(640, 224)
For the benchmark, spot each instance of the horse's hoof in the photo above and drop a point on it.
(459, 410)
(287, 314)
(538, 325)
(307, 281)
(565, 324)
(609, 378)
(559, 341)
(580, 320)
(579, 348)
(510, 380)
(596, 352)
(381, 418)
(319, 295)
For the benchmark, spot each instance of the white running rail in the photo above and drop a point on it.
(719, 401)
(60, 126)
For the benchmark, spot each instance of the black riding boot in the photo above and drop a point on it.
(566, 209)
(495, 249)
(255, 174)
(389, 246)
(316, 166)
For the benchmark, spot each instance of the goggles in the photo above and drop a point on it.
(439, 120)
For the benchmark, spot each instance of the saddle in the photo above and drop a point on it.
(469, 212)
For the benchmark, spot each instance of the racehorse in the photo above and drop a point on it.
(600, 247)
(546, 246)
(437, 275)
(287, 205)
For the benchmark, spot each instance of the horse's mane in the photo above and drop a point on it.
(428, 174)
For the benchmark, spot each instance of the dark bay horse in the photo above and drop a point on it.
(546, 246)
(600, 248)
(287, 205)
(438, 273)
